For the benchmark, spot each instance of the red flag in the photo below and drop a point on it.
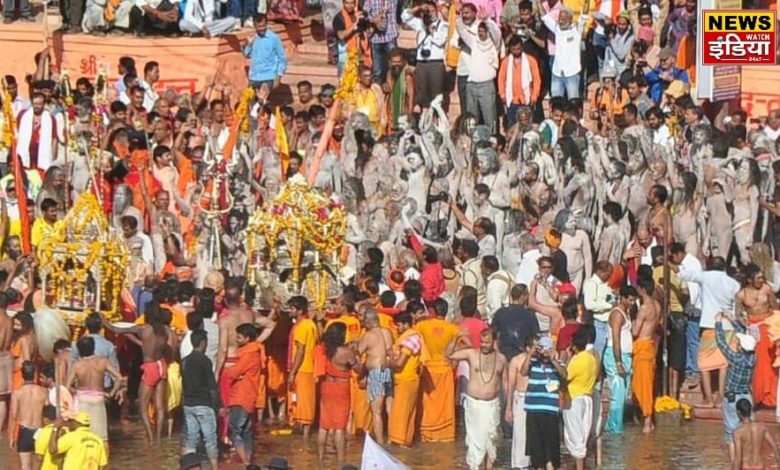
(21, 195)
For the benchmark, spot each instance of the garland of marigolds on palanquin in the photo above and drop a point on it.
(307, 218)
(110, 255)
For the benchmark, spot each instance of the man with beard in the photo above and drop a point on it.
(399, 87)
(370, 100)
(519, 81)
(37, 135)
(637, 95)
(481, 406)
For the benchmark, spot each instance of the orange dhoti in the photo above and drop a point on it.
(710, 357)
(403, 413)
(334, 404)
(438, 404)
(764, 375)
(277, 378)
(361, 408)
(305, 399)
(643, 374)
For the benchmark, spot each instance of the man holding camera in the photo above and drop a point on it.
(542, 402)
(431, 39)
(352, 29)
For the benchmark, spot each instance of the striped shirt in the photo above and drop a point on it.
(538, 398)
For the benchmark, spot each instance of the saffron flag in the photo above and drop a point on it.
(281, 143)
(377, 458)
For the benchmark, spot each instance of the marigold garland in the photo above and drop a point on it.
(78, 246)
(667, 403)
(304, 217)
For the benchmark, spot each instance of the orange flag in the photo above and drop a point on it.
(281, 143)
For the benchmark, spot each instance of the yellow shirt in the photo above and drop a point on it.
(305, 333)
(354, 328)
(674, 280)
(411, 344)
(42, 438)
(83, 450)
(581, 374)
(178, 320)
(40, 230)
(386, 321)
(437, 334)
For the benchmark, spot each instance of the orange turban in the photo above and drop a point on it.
(396, 280)
(552, 238)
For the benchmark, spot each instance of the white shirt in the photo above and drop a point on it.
(463, 57)
(568, 45)
(150, 96)
(433, 42)
(662, 136)
(19, 104)
(692, 264)
(594, 295)
(487, 246)
(718, 291)
(147, 250)
(497, 291)
(529, 267)
(771, 133)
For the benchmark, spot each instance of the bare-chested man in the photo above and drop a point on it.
(749, 440)
(155, 337)
(376, 344)
(6, 361)
(27, 414)
(659, 220)
(645, 331)
(86, 379)
(756, 300)
(24, 346)
(482, 409)
(237, 313)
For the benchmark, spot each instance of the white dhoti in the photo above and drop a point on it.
(482, 420)
(577, 421)
(520, 458)
(462, 385)
(598, 419)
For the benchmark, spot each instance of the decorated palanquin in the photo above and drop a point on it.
(298, 236)
(82, 265)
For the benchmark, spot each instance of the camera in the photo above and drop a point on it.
(427, 18)
(363, 24)
(425, 53)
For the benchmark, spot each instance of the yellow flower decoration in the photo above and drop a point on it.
(80, 246)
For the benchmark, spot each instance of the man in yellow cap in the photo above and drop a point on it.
(81, 448)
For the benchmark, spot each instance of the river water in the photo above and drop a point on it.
(692, 445)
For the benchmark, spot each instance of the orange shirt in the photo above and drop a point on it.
(245, 376)
(437, 334)
(305, 334)
(354, 328)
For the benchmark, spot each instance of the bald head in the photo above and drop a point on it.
(370, 317)
(643, 236)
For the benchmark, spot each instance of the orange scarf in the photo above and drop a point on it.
(358, 43)
(518, 97)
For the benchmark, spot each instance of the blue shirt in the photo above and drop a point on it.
(657, 84)
(267, 57)
(538, 398)
(103, 348)
(739, 377)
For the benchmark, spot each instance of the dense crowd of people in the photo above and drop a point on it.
(586, 228)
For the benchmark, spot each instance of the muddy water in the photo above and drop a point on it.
(695, 445)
